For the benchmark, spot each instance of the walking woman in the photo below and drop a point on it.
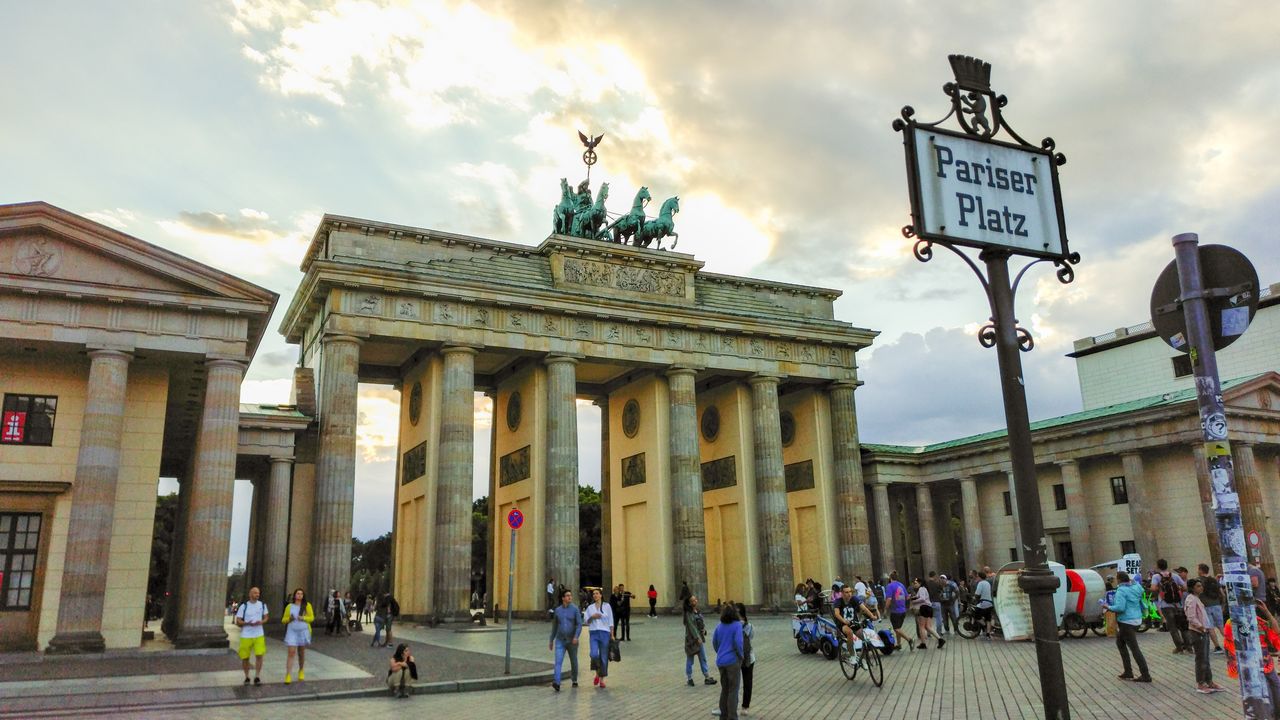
(599, 617)
(921, 603)
(297, 620)
(728, 641)
(695, 635)
(653, 602)
(749, 656)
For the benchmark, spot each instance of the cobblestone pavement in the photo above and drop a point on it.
(967, 679)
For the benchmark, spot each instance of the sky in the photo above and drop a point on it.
(223, 130)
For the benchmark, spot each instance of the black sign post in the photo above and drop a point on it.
(1000, 196)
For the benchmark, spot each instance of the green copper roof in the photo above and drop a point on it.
(1171, 398)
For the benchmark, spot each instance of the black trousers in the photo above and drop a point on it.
(653, 607)
(623, 627)
(1127, 642)
(747, 672)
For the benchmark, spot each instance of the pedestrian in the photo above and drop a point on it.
(749, 655)
(599, 617)
(401, 672)
(727, 641)
(1273, 596)
(1128, 609)
(1270, 646)
(1211, 596)
(352, 616)
(653, 602)
(615, 600)
(566, 628)
(329, 598)
(934, 585)
(895, 594)
(250, 617)
(684, 591)
(1198, 634)
(695, 635)
(382, 618)
(623, 609)
(297, 619)
(1168, 588)
(551, 595)
(984, 603)
(922, 604)
(950, 608)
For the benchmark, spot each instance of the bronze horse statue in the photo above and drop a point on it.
(629, 225)
(662, 226)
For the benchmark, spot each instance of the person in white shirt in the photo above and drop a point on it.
(250, 617)
(599, 619)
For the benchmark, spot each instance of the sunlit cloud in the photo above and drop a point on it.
(377, 423)
(118, 218)
(247, 242)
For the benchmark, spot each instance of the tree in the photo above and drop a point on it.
(479, 544)
(371, 565)
(162, 531)
(236, 587)
(590, 563)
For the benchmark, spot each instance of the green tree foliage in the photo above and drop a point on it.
(163, 528)
(371, 565)
(237, 588)
(589, 554)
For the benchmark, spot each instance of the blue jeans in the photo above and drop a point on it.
(702, 659)
(1215, 615)
(378, 621)
(600, 651)
(571, 649)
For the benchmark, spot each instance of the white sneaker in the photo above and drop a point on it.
(716, 712)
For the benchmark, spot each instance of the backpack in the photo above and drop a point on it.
(395, 608)
(949, 592)
(1169, 590)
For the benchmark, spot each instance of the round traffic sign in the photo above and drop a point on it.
(1255, 540)
(1232, 286)
(515, 518)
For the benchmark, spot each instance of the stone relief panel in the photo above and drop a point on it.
(622, 277)
(369, 304)
(514, 467)
(633, 470)
(718, 474)
(798, 476)
(408, 310)
(415, 463)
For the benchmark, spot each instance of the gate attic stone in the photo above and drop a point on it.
(650, 337)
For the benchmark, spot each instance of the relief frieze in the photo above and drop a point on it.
(621, 277)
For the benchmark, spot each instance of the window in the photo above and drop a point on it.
(28, 419)
(1127, 547)
(1013, 554)
(1181, 365)
(1060, 498)
(1008, 503)
(1119, 491)
(19, 540)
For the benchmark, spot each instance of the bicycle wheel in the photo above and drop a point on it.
(1098, 628)
(968, 627)
(848, 661)
(871, 661)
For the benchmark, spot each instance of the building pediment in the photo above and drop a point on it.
(1258, 393)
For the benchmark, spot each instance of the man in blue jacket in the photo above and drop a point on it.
(566, 628)
(1128, 609)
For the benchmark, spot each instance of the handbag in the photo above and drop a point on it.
(615, 652)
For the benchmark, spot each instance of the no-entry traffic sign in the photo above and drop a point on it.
(515, 518)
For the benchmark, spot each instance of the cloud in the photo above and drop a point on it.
(118, 218)
(227, 239)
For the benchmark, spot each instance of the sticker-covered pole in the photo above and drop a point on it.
(1226, 502)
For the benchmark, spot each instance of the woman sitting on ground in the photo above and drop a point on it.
(400, 675)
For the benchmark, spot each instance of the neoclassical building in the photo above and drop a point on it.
(120, 363)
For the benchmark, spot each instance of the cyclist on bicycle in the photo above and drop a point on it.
(846, 610)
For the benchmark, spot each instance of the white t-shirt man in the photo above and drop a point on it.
(252, 611)
(860, 590)
(983, 591)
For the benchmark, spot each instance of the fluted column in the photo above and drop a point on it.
(689, 535)
(606, 522)
(492, 564)
(93, 505)
(1253, 512)
(771, 494)
(1017, 526)
(973, 555)
(453, 496)
(561, 530)
(928, 532)
(1206, 503)
(853, 536)
(884, 527)
(335, 465)
(208, 520)
(252, 554)
(275, 531)
(1142, 512)
(1077, 513)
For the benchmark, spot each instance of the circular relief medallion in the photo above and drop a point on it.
(513, 412)
(415, 403)
(631, 418)
(710, 423)
(787, 423)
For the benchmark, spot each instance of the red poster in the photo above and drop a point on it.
(12, 430)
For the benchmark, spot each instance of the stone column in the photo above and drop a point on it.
(208, 520)
(973, 553)
(561, 530)
(1077, 513)
(275, 532)
(606, 522)
(688, 533)
(853, 535)
(492, 563)
(1206, 504)
(252, 554)
(928, 532)
(335, 466)
(771, 494)
(1017, 526)
(93, 505)
(1142, 512)
(453, 484)
(884, 527)
(1253, 510)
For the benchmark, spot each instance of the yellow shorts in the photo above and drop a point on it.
(254, 646)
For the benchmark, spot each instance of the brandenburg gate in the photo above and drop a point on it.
(729, 438)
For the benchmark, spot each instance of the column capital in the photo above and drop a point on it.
(764, 379)
(679, 370)
(452, 349)
(1068, 461)
(110, 353)
(557, 358)
(1130, 454)
(601, 402)
(277, 459)
(340, 338)
(211, 363)
(1242, 444)
(850, 383)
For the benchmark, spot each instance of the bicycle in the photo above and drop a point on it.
(864, 654)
